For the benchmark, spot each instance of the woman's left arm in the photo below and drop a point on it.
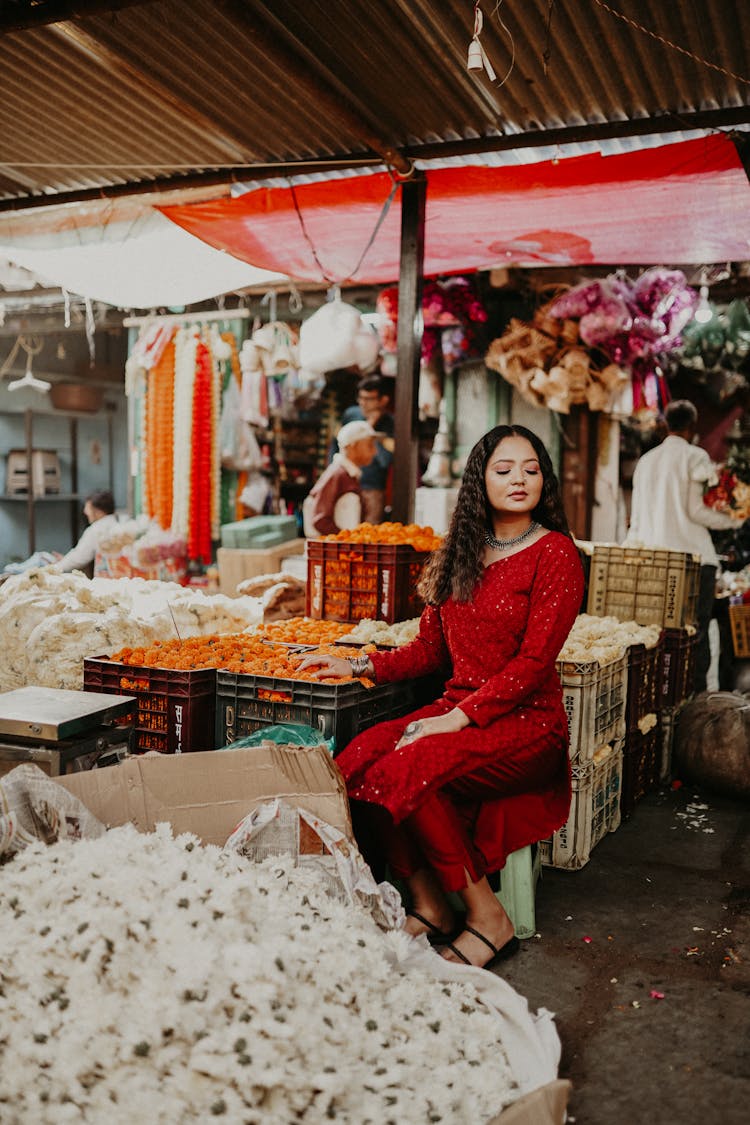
(555, 600)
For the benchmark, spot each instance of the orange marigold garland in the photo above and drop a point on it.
(160, 437)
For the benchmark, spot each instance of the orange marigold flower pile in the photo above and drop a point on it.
(263, 653)
(409, 534)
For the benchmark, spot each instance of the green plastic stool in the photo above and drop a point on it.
(518, 880)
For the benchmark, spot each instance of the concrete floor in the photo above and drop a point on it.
(665, 901)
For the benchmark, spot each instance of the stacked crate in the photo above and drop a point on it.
(652, 587)
(678, 671)
(353, 581)
(643, 726)
(594, 698)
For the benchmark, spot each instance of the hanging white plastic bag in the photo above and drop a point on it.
(327, 338)
(237, 442)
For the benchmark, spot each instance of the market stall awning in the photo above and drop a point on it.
(681, 203)
(143, 263)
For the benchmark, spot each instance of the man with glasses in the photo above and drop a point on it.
(373, 402)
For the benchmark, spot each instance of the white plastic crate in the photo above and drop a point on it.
(594, 811)
(594, 698)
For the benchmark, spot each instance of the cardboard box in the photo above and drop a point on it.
(210, 793)
(544, 1106)
(238, 563)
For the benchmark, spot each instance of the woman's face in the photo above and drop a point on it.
(513, 478)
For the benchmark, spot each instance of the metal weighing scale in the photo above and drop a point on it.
(53, 728)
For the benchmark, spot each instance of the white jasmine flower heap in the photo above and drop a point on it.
(150, 979)
(368, 631)
(50, 621)
(605, 639)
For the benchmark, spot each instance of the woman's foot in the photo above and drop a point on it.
(439, 924)
(484, 943)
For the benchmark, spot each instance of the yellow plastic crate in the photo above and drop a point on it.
(739, 619)
(650, 586)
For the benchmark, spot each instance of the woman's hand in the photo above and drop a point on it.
(454, 721)
(328, 665)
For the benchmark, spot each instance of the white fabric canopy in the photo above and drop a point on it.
(147, 263)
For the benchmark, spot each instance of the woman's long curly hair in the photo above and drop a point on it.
(456, 566)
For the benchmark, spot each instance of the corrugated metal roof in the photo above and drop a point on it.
(168, 92)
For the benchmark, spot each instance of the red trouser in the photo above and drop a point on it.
(439, 833)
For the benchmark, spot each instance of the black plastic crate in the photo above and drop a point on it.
(246, 703)
(644, 696)
(678, 666)
(176, 710)
(641, 764)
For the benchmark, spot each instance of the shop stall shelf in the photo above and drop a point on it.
(58, 492)
(176, 709)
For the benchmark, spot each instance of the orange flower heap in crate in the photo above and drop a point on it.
(253, 654)
(369, 571)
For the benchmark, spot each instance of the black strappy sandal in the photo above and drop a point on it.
(434, 935)
(502, 954)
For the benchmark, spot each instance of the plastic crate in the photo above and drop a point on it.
(739, 620)
(594, 700)
(677, 666)
(594, 811)
(641, 765)
(351, 581)
(644, 682)
(652, 587)
(176, 710)
(246, 703)
(668, 727)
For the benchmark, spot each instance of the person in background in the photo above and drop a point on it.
(99, 510)
(448, 792)
(372, 406)
(667, 511)
(334, 502)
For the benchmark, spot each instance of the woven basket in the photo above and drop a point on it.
(76, 396)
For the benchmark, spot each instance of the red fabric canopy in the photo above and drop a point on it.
(687, 202)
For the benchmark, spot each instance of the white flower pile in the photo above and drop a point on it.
(146, 978)
(605, 639)
(50, 621)
(368, 631)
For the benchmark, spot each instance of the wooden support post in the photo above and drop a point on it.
(413, 199)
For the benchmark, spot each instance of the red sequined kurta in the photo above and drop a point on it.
(498, 653)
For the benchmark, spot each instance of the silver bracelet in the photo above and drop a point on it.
(359, 663)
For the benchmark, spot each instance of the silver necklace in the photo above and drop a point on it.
(503, 544)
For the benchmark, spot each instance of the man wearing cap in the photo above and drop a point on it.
(335, 501)
(372, 404)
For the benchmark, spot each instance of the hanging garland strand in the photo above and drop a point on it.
(160, 437)
(199, 520)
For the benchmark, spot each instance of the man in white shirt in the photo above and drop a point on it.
(668, 511)
(99, 511)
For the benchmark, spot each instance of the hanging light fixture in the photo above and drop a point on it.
(704, 310)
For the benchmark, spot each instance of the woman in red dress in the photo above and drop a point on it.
(456, 786)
